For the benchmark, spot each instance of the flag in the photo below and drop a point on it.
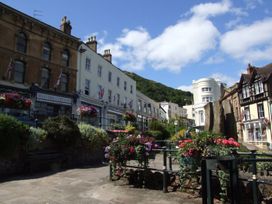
(10, 69)
(101, 92)
(59, 80)
(130, 103)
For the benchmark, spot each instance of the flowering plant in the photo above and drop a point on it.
(128, 116)
(15, 100)
(87, 111)
(125, 148)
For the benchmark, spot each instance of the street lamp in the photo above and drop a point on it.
(176, 123)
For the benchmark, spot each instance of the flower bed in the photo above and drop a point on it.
(14, 100)
(126, 148)
(89, 111)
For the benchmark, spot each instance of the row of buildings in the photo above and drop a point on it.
(60, 73)
(242, 111)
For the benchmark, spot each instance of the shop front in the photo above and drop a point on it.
(49, 105)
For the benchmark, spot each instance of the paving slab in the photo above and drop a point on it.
(85, 185)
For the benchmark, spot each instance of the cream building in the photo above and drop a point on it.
(103, 85)
(173, 111)
(204, 90)
(147, 109)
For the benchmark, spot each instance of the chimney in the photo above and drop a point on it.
(250, 69)
(92, 43)
(107, 55)
(65, 26)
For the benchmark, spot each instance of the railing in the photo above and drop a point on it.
(166, 168)
(231, 164)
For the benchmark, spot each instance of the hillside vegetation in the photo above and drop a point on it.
(160, 92)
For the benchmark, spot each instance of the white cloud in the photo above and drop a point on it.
(211, 9)
(181, 44)
(186, 88)
(225, 78)
(252, 4)
(177, 45)
(249, 43)
(216, 59)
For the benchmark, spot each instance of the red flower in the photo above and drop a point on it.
(131, 149)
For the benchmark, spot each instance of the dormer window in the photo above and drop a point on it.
(258, 87)
(245, 92)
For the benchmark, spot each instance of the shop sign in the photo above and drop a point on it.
(54, 99)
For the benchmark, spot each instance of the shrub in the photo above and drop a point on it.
(36, 138)
(130, 128)
(94, 137)
(62, 131)
(178, 136)
(156, 126)
(13, 135)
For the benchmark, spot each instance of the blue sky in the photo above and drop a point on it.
(172, 42)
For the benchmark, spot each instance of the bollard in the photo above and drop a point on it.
(164, 171)
(110, 165)
(254, 177)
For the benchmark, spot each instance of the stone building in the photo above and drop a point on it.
(38, 60)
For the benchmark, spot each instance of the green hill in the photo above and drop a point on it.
(160, 92)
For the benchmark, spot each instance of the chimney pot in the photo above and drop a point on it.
(66, 25)
(107, 55)
(92, 43)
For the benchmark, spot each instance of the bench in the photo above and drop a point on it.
(43, 160)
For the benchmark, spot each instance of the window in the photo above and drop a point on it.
(118, 81)
(139, 105)
(64, 82)
(21, 42)
(109, 95)
(45, 78)
(255, 132)
(118, 99)
(201, 116)
(131, 89)
(245, 92)
(258, 87)
(109, 76)
(206, 89)
(65, 57)
(99, 71)
(125, 85)
(88, 64)
(87, 87)
(46, 52)
(246, 113)
(206, 99)
(145, 108)
(260, 110)
(19, 71)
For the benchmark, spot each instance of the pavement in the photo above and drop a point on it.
(79, 186)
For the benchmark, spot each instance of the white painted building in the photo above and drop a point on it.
(173, 111)
(204, 90)
(147, 109)
(103, 85)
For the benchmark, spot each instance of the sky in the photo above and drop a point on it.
(169, 41)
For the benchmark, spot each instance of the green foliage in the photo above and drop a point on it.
(94, 138)
(36, 138)
(179, 135)
(13, 135)
(130, 128)
(117, 126)
(160, 92)
(158, 130)
(62, 131)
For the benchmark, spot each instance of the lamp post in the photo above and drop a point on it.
(176, 123)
